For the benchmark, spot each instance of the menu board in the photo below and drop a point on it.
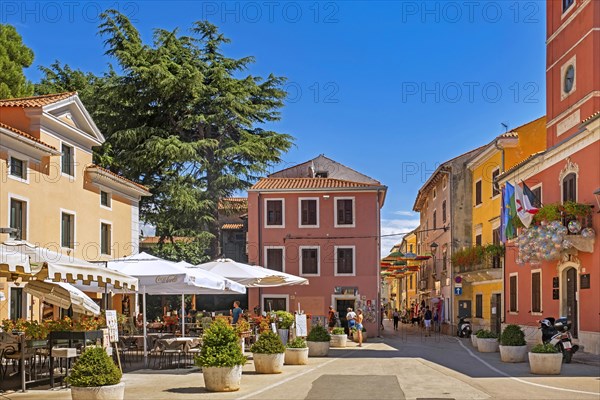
(113, 326)
(301, 325)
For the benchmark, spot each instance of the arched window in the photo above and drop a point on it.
(569, 187)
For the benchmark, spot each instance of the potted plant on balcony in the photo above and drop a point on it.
(544, 359)
(487, 341)
(284, 323)
(221, 358)
(513, 347)
(95, 376)
(338, 337)
(296, 352)
(268, 353)
(318, 341)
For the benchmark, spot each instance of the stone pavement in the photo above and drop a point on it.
(403, 364)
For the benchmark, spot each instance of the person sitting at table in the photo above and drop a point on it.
(139, 321)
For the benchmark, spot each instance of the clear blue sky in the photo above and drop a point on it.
(386, 88)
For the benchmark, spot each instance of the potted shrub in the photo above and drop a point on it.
(243, 329)
(487, 341)
(95, 376)
(284, 323)
(474, 338)
(355, 335)
(221, 358)
(268, 354)
(544, 359)
(338, 337)
(318, 341)
(296, 352)
(513, 347)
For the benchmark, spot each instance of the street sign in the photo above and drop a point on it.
(457, 279)
(458, 291)
(458, 285)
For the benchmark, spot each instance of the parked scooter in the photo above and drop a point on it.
(556, 332)
(464, 328)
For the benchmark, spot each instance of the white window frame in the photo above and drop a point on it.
(110, 199)
(74, 176)
(335, 260)
(267, 213)
(105, 222)
(266, 248)
(25, 298)
(492, 180)
(570, 168)
(541, 295)
(74, 214)
(516, 274)
(475, 192)
(275, 296)
(26, 201)
(300, 269)
(540, 185)
(300, 225)
(335, 212)
(26, 161)
(563, 69)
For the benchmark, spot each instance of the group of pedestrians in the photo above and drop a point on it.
(355, 322)
(425, 315)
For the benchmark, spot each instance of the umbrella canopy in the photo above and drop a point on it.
(230, 285)
(63, 295)
(250, 275)
(14, 264)
(57, 267)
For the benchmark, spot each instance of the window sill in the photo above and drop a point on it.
(274, 226)
(345, 226)
(18, 179)
(513, 313)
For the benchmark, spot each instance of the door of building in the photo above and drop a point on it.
(341, 306)
(496, 313)
(17, 310)
(274, 304)
(464, 308)
(571, 297)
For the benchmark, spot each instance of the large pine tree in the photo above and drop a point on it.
(14, 56)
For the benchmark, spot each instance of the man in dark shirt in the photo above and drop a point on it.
(236, 312)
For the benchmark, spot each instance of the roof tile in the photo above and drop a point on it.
(36, 101)
(26, 135)
(117, 176)
(306, 183)
(231, 227)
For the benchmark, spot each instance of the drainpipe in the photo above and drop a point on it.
(259, 244)
(504, 258)
(378, 268)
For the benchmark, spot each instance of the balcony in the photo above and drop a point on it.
(479, 263)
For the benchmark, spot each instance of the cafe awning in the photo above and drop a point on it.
(63, 295)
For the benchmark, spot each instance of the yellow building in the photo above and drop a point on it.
(401, 285)
(53, 195)
(482, 284)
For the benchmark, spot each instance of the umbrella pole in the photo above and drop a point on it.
(182, 316)
(145, 330)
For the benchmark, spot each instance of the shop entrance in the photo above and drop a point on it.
(571, 298)
(496, 313)
(341, 306)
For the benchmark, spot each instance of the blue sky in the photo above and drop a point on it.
(386, 88)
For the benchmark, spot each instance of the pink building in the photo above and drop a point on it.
(319, 220)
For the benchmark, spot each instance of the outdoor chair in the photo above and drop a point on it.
(170, 350)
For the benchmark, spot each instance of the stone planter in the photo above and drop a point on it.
(222, 379)
(338, 340)
(111, 392)
(355, 337)
(545, 363)
(296, 356)
(268, 363)
(487, 345)
(513, 354)
(474, 340)
(318, 349)
(284, 334)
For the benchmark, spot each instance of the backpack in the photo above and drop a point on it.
(428, 314)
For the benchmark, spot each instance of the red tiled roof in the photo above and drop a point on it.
(26, 135)
(36, 101)
(306, 183)
(233, 204)
(156, 239)
(117, 176)
(520, 164)
(231, 227)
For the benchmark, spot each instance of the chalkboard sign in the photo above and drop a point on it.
(585, 281)
(555, 294)
(113, 326)
(301, 325)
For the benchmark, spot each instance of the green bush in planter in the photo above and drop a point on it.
(284, 319)
(512, 335)
(220, 347)
(338, 331)
(297, 343)
(94, 368)
(485, 334)
(544, 348)
(268, 343)
(318, 333)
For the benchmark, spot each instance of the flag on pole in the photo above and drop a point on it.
(532, 197)
(525, 210)
(509, 212)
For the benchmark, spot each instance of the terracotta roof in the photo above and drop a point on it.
(156, 239)
(594, 115)
(117, 176)
(232, 227)
(520, 164)
(36, 101)
(26, 135)
(233, 204)
(511, 134)
(306, 183)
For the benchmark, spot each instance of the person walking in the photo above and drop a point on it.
(236, 312)
(332, 318)
(396, 317)
(427, 319)
(359, 326)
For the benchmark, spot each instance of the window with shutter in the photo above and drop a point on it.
(536, 292)
(478, 193)
(444, 211)
(344, 260)
(513, 293)
(274, 212)
(105, 238)
(67, 160)
(275, 259)
(309, 261)
(478, 240)
(495, 188)
(67, 230)
(345, 212)
(570, 187)
(18, 219)
(479, 306)
(308, 210)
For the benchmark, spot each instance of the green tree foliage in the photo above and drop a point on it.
(182, 119)
(14, 56)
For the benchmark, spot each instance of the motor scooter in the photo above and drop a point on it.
(557, 333)
(464, 328)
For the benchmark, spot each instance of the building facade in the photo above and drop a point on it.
(53, 195)
(567, 174)
(319, 220)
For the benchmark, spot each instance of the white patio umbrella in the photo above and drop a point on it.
(63, 295)
(14, 264)
(251, 275)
